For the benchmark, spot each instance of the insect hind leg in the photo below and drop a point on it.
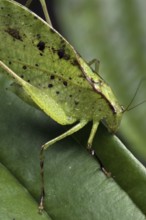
(75, 128)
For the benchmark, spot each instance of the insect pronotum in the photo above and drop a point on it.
(51, 75)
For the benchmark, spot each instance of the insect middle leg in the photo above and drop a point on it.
(89, 147)
(96, 62)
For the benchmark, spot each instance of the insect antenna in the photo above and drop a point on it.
(128, 108)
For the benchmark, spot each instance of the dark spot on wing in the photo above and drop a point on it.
(62, 54)
(14, 33)
(10, 62)
(41, 46)
(81, 76)
(24, 67)
(57, 92)
(74, 62)
(76, 102)
(53, 49)
(22, 76)
(38, 36)
(37, 64)
(64, 83)
(50, 85)
(52, 77)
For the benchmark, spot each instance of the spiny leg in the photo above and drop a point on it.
(48, 144)
(89, 147)
(41, 204)
(108, 174)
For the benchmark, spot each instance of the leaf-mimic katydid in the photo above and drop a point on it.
(52, 76)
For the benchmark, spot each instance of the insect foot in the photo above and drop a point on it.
(92, 152)
(41, 204)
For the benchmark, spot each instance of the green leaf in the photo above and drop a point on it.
(75, 185)
(76, 188)
(16, 201)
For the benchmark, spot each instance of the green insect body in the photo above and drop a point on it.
(51, 75)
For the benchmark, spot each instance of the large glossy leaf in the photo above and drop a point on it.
(76, 188)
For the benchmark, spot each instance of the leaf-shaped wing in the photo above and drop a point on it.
(45, 60)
